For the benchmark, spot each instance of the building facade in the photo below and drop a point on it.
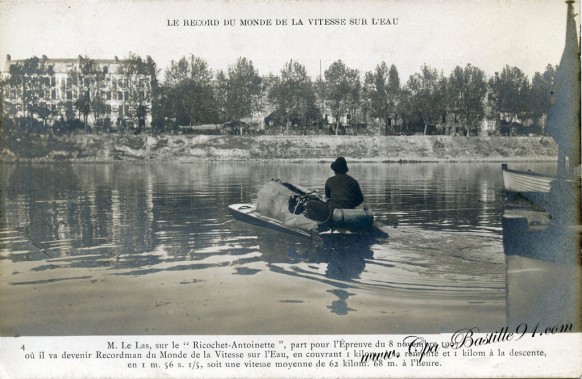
(104, 93)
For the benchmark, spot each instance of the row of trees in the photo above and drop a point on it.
(191, 93)
(195, 95)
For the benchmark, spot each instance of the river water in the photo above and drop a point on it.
(150, 248)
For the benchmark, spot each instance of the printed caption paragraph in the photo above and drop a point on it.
(280, 356)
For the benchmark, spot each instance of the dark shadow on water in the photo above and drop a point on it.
(246, 271)
(340, 306)
(52, 280)
(344, 260)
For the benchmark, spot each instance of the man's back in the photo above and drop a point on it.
(344, 191)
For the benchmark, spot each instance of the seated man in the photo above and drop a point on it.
(341, 191)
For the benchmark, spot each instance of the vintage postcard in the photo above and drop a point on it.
(276, 188)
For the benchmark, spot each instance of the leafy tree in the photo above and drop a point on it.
(91, 79)
(31, 80)
(9, 108)
(368, 94)
(320, 94)
(293, 94)
(190, 91)
(466, 89)
(393, 80)
(221, 95)
(541, 92)
(343, 89)
(244, 89)
(394, 89)
(509, 93)
(98, 107)
(140, 79)
(83, 104)
(193, 102)
(188, 67)
(91, 98)
(158, 107)
(161, 109)
(426, 96)
(411, 121)
(382, 89)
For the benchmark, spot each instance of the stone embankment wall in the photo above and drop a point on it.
(192, 148)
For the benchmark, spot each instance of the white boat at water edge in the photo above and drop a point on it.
(555, 233)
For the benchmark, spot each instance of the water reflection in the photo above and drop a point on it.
(113, 210)
(134, 220)
(337, 263)
(134, 215)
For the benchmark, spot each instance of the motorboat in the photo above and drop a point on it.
(281, 206)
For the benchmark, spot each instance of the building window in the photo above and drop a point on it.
(106, 69)
(120, 96)
(53, 81)
(108, 95)
(69, 95)
(53, 94)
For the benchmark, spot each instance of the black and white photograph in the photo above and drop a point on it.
(269, 188)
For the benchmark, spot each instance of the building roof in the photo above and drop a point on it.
(60, 64)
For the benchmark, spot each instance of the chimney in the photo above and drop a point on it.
(8, 58)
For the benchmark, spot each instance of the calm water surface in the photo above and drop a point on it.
(138, 248)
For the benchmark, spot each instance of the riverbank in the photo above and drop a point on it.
(106, 148)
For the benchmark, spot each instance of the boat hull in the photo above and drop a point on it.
(281, 207)
(248, 213)
(531, 186)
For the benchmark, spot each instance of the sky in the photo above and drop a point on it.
(489, 34)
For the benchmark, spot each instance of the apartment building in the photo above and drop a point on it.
(100, 91)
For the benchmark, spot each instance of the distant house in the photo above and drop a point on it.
(235, 127)
(272, 119)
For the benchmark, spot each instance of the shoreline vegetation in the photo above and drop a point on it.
(190, 148)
